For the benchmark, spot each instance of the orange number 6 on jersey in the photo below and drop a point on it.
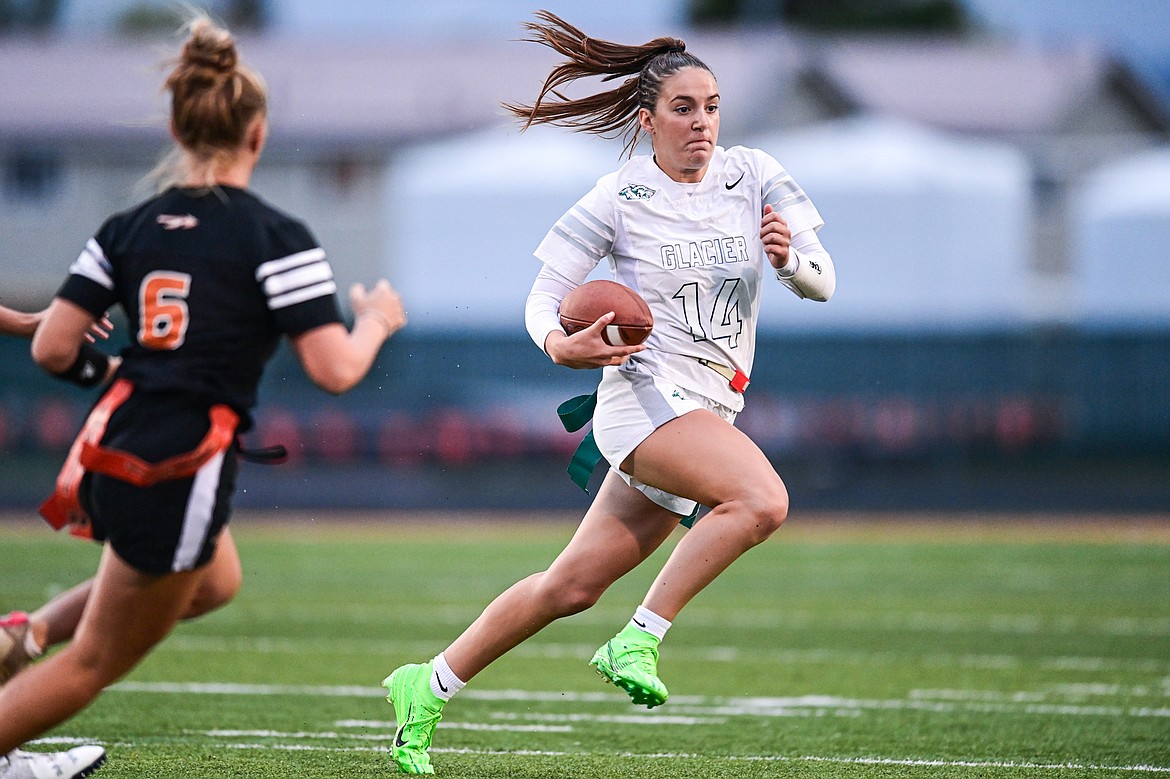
(162, 310)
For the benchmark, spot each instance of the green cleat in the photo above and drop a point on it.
(417, 711)
(630, 660)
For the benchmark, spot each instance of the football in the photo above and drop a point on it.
(583, 306)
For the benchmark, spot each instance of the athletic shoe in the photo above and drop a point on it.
(14, 628)
(74, 764)
(630, 660)
(417, 711)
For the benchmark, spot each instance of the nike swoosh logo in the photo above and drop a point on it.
(613, 663)
(398, 740)
(636, 622)
(736, 184)
(440, 682)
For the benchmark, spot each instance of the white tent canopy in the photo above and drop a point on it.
(466, 214)
(1121, 242)
(925, 229)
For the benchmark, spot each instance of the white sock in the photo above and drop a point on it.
(31, 647)
(648, 622)
(444, 682)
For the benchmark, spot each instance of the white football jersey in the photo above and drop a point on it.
(693, 251)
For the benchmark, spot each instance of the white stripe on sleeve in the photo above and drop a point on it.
(93, 265)
(296, 278)
(292, 261)
(302, 294)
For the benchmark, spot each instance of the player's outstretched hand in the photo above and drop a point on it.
(586, 348)
(776, 236)
(381, 302)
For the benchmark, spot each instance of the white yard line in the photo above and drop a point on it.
(705, 706)
(928, 622)
(881, 761)
(710, 654)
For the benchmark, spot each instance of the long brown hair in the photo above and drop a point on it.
(612, 113)
(214, 98)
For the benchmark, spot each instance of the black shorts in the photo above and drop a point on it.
(169, 526)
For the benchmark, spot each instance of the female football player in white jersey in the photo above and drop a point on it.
(211, 278)
(696, 229)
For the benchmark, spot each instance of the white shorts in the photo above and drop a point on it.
(631, 406)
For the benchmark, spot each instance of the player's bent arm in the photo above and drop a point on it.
(18, 322)
(336, 359)
(63, 345)
(544, 302)
(23, 324)
(809, 272)
(584, 349)
(60, 334)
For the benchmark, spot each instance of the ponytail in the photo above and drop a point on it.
(612, 113)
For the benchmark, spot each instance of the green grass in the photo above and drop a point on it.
(838, 649)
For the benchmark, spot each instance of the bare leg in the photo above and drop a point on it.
(733, 476)
(127, 613)
(621, 529)
(56, 621)
(220, 579)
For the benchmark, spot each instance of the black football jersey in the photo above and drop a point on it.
(210, 280)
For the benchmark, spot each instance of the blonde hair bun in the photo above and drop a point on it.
(214, 98)
(209, 47)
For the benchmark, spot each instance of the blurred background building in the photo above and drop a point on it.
(995, 178)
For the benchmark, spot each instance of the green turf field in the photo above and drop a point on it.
(1006, 648)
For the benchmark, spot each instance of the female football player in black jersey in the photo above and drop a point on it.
(210, 278)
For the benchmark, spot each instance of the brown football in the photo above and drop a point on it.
(583, 306)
